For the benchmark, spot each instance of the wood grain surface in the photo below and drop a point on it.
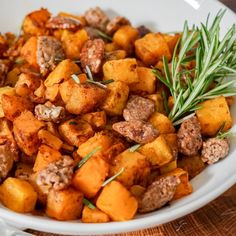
(218, 218)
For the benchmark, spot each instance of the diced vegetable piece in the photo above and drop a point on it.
(157, 152)
(18, 195)
(34, 23)
(25, 128)
(73, 43)
(90, 176)
(13, 76)
(151, 48)
(213, 114)
(51, 140)
(13, 105)
(63, 71)
(171, 140)
(146, 83)
(125, 37)
(168, 167)
(192, 164)
(115, 55)
(124, 70)
(117, 202)
(5, 90)
(184, 188)
(137, 190)
(94, 216)
(65, 204)
(159, 104)
(116, 98)
(162, 123)
(52, 93)
(75, 132)
(28, 51)
(136, 168)
(45, 156)
(96, 119)
(171, 41)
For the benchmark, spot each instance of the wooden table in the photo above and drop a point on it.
(218, 218)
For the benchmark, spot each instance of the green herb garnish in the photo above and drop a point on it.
(215, 60)
(107, 81)
(113, 177)
(73, 123)
(223, 134)
(86, 158)
(165, 102)
(88, 204)
(103, 35)
(134, 147)
(75, 78)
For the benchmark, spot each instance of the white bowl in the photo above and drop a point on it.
(160, 15)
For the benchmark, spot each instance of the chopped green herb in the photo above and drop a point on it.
(224, 134)
(88, 156)
(103, 35)
(165, 101)
(113, 177)
(107, 81)
(75, 78)
(134, 148)
(89, 73)
(73, 123)
(88, 204)
(19, 60)
(97, 83)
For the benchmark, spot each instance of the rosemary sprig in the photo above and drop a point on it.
(221, 134)
(134, 148)
(113, 177)
(88, 156)
(88, 204)
(215, 61)
(75, 78)
(103, 35)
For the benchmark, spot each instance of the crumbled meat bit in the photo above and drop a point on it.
(92, 54)
(214, 149)
(116, 23)
(158, 194)
(7, 158)
(49, 112)
(96, 18)
(63, 22)
(92, 32)
(143, 30)
(57, 175)
(189, 137)
(138, 108)
(49, 50)
(4, 66)
(136, 130)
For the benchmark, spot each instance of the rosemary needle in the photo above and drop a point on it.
(88, 203)
(87, 157)
(134, 147)
(113, 177)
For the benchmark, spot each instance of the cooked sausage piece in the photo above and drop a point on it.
(136, 130)
(49, 50)
(116, 23)
(138, 108)
(158, 194)
(92, 54)
(7, 158)
(3, 71)
(49, 112)
(63, 22)
(214, 149)
(57, 175)
(189, 137)
(96, 18)
(143, 30)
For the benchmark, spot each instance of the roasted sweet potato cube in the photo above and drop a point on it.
(124, 70)
(125, 37)
(45, 156)
(18, 195)
(13, 76)
(29, 51)
(214, 114)
(168, 167)
(137, 190)
(73, 42)
(171, 140)
(157, 152)
(94, 216)
(117, 202)
(63, 71)
(64, 204)
(146, 83)
(159, 104)
(116, 99)
(151, 48)
(25, 128)
(85, 98)
(96, 119)
(171, 102)
(66, 89)
(109, 47)
(115, 55)
(162, 123)
(171, 41)
(90, 176)
(13, 105)
(52, 93)
(136, 168)
(8, 91)
(75, 132)
(184, 188)
(51, 140)
(191, 164)
(35, 22)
